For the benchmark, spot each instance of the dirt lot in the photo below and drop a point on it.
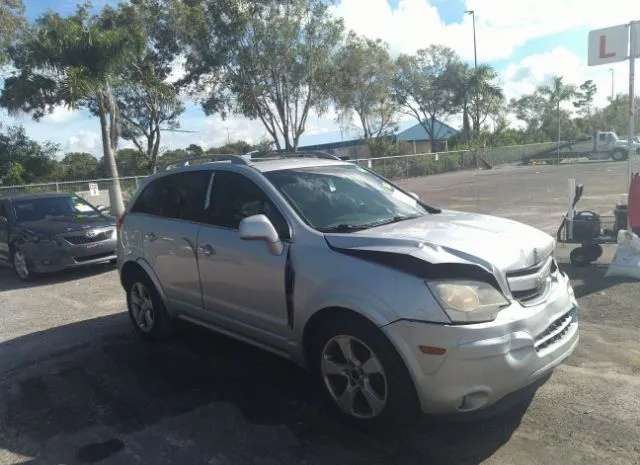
(76, 386)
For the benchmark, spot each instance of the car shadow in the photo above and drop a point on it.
(95, 375)
(591, 279)
(9, 281)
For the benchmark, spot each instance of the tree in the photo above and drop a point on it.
(557, 93)
(78, 166)
(147, 102)
(277, 68)
(476, 94)
(422, 86)
(363, 82)
(74, 61)
(11, 24)
(23, 160)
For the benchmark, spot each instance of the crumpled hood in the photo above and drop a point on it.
(456, 237)
(66, 224)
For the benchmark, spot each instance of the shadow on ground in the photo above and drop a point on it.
(591, 279)
(109, 380)
(9, 281)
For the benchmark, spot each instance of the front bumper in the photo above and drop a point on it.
(485, 362)
(51, 258)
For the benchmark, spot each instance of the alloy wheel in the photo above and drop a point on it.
(354, 377)
(142, 306)
(20, 264)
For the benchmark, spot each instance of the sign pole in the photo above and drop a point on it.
(632, 106)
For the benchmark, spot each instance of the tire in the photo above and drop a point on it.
(579, 257)
(593, 251)
(150, 323)
(394, 385)
(20, 265)
(619, 155)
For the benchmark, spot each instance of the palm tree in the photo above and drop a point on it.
(76, 62)
(557, 93)
(476, 94)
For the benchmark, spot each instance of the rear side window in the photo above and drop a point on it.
(179, 196)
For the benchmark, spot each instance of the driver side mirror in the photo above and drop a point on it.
(259, 228)
(414, 195)
(3, 221)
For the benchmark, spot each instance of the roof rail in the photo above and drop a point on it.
(233, 158)
(302, 154)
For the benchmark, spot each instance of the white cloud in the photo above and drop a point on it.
(523, 77)
(501, 25)
(61, 115)
(84, 141)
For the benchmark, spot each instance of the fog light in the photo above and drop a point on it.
(473, 401)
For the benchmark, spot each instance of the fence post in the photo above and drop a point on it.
(57, 187)
(477, 160)
(137, 182)
(406, 166)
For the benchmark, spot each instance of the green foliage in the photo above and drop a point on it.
(12, 23)
(23, 160)
(422, 85)
(362, 85)
(279, 68)
(77, 165)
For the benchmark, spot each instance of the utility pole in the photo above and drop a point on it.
(612, 85)
(475, 54)
(228, 137)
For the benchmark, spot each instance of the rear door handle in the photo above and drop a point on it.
(207, 250)
(150, 236)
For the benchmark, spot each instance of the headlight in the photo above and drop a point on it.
(468, 301)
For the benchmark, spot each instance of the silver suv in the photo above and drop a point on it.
(394, 305)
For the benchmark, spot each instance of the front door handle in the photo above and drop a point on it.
(150, 236)
(207, 250)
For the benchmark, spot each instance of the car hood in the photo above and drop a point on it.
(496, 244)
(59, 225)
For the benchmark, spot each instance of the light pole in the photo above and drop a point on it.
(475, 54)
(612, 88)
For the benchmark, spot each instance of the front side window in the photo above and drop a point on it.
(344, 197)
(235, 197)
(51, 208)
(178, 196)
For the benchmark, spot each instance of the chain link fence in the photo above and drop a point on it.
(397, 167)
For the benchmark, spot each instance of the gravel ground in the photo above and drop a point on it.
(76, 386)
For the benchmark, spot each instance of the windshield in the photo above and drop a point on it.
(344, 197)
(51, 208)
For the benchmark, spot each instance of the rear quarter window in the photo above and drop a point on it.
(178, 196)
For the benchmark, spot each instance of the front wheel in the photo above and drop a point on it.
(580, 257)
(21, 265)
(363, 377)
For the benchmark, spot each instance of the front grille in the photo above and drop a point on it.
(530, 286)
(82, 238)
(555, 332)
(98, 256)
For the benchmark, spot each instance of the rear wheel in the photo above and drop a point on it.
(146, 309)
(619, 155)
(363, 378)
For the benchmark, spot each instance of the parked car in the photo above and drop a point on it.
(45, 233)
(394, 305)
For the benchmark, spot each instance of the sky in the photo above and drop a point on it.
(527, 41)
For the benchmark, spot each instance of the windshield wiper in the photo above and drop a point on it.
(395, 219)
(342, 228)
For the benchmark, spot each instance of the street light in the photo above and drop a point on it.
(612, 89)
(475, 55)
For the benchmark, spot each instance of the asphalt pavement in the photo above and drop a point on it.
(77, 386)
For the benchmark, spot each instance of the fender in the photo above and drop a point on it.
(142, 263)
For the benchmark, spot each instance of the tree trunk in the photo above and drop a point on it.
(117, 209)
